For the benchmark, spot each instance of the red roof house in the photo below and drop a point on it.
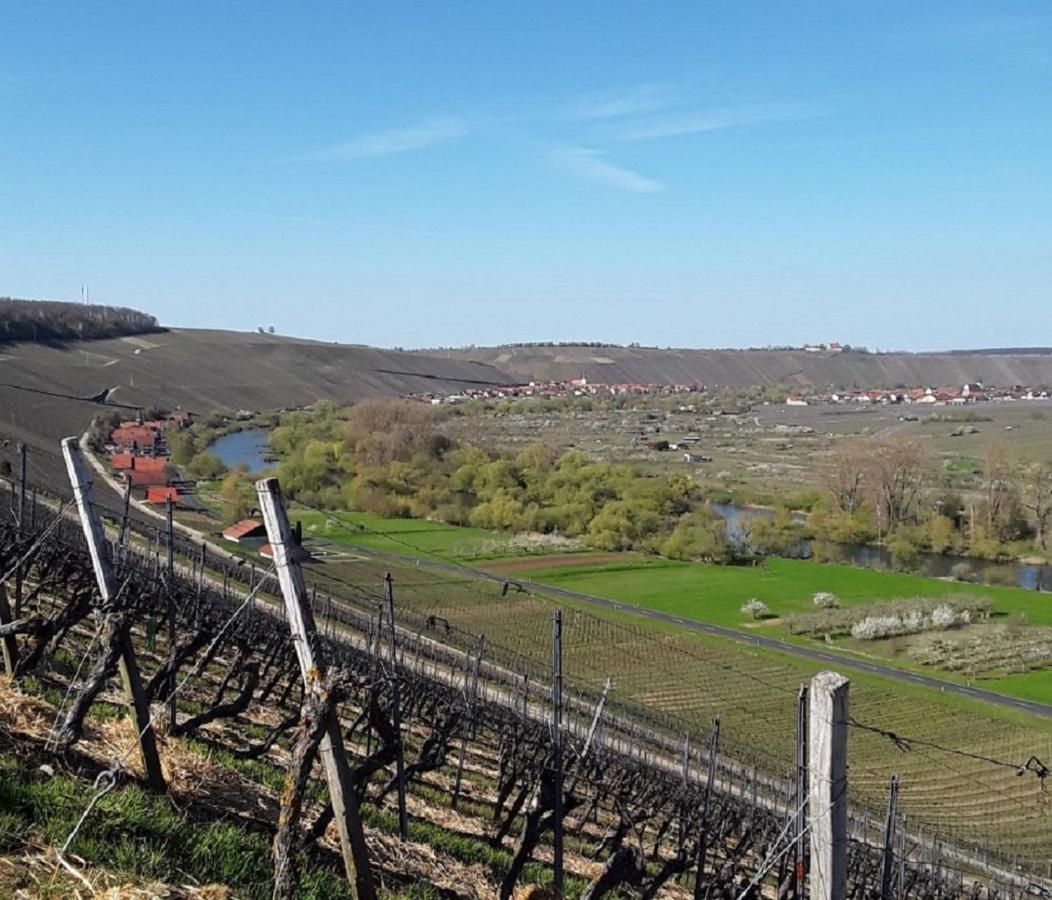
(162, 495)
(245, 531)
(122, 462)
(132, 435)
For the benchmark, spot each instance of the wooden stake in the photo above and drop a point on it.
(557, 750)
(469, 716)
(710, 781)
(333, 752)
(21, 525)
(799, 867)
(887, 870)
(107, 582)
(827, 804)
(396, 709)
(169, 587)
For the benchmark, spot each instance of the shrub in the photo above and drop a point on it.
(756, 608)
(899, 617)
(826, 600)
(961, 572)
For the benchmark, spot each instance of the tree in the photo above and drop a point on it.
(699, 536)
(998, 486)
(845, 476)
(206, 466)
(756, 608)
(896, 472)
(941, 534)
(1039, 500)
(236, 497)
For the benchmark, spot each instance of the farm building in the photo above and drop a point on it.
(161, 495)
(150, 472)
(122, 462)
(247, 531)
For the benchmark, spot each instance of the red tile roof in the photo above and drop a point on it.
(241, 529)
(154, 464)
(121, 461)
(161, 494)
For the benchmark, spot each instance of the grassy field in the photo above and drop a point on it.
(408, 536)
(693, 678)
(715, 594)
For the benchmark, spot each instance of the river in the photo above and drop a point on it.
(932, 565)
(243, 448)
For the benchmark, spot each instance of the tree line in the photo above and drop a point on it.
(51, 320)
(895, 492)
(395, 458)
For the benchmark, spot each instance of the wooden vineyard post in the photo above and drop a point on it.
(827, 794)
(333, 753)
(469, 715)
(107, 582)
(9, 643)
(557, 751)
(799, 865)
(122, 535)
(710, 781)
(21, 525)
(887, 871)
(396, 708)
(169, 587)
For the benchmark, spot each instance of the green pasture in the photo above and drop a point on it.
(395, 535)
(715, 594)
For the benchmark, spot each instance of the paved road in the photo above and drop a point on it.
(835, 660)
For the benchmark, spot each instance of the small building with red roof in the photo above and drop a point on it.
(247, 531)
(162, 495)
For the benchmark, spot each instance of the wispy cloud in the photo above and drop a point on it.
(718, 119)
(336, 223)
(590, 165)
(643, 98)
(424, 133)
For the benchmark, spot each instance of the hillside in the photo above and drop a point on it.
(48, 391)
(616, 365)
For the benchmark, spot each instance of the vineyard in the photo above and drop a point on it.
(495, 739)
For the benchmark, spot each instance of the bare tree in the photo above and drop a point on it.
(998, 484)
(1039, 499)
(845, 476)
(896, 475)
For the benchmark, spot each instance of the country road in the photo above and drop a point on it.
(836, 660)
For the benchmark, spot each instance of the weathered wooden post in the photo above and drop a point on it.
(107, 582)
(557, 751)
(887, 870)
(333, 752)
(19, 575)
(122, 534)
(703, 839)
(827, 794)
(396, 709)
(799, 864)
(169, 587)
(471, 694)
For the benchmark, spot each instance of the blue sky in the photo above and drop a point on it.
(688, 174)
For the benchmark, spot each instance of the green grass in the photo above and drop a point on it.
(715, 594)
(405, 536)
(140, 837)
